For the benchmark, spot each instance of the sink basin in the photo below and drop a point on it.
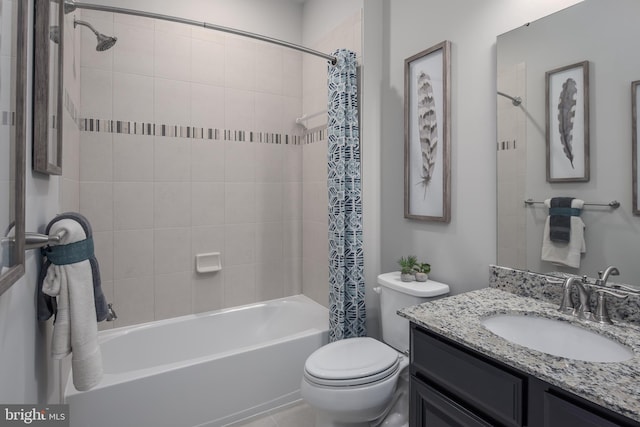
(557, 337)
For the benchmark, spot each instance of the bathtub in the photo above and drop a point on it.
(206, 369)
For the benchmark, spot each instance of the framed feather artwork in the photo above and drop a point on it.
(427, 123)
(567, 123)
(635, 136)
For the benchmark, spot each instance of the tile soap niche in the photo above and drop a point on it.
(208, 263)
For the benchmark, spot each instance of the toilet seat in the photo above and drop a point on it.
(351, 362)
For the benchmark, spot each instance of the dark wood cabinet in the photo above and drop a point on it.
(452, 385)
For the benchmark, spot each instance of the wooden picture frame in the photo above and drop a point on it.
(427, 134)
(48, 87)
(12, 243)
(635, 137)
(567, 123)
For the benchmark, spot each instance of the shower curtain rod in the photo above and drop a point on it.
(515, 101)
(70, 6)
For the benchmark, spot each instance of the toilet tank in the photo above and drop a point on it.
(396, 294)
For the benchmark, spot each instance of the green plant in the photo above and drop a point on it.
(407, 265)
(422, 267)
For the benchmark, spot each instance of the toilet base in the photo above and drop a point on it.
(396, 416)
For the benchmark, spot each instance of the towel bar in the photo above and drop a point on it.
(34, 240)
(614, 204)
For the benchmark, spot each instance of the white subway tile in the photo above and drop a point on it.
(133, 254)
(96, 159)
(96, 203)
(172, 250)
(133, 205)
(172, 204)
(172, 295)
(132, 157)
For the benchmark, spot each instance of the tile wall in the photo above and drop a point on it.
(315, 267)
(188, 144)
(69, 195)
(222, 175)
(512, 168)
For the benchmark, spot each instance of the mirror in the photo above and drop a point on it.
(47, 87)
(13, 61)
(606, 36)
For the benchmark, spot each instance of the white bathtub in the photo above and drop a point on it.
(207, 369)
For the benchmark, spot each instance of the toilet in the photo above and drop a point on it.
(362, 382)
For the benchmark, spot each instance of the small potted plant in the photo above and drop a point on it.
(407, 268)
(422, 271)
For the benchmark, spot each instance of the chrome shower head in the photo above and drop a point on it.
(104, 42)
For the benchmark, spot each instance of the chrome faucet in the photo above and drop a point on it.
(583, 311)
(603, 276)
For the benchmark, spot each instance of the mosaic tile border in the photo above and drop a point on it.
(188, 132)
(191, 132)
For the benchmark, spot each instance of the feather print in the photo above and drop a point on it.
(566, 113)
(427, 128)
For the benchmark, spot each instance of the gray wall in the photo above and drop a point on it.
(461, 251)
(25, 371)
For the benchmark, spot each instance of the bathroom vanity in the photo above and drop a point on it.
(464, 375)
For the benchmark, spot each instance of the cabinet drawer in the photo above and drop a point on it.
(559, 412)
(429, 408)
(484, 386)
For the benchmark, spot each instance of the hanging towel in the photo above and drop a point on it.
(565, 252)
(71, 277)
(560, 213)
(47, 304)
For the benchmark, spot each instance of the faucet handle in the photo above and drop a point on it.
(602, 315)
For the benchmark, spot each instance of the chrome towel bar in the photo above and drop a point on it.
(614, 204)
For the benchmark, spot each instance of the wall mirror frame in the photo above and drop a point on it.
(611, 236)
(14, 117)
(48, 87)
(635, 129)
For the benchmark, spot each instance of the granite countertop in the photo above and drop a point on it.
(615, 386)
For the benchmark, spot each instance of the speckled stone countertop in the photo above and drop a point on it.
(615, 386)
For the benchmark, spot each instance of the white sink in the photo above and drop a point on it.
(557, 337)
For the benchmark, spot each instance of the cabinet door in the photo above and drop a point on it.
(561, 413)
(429, 408)
(493, 390)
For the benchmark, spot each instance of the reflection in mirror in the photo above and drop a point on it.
(12, 140)
(524, 55)
(47, 81)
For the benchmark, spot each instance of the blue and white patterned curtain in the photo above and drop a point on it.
(347, 313)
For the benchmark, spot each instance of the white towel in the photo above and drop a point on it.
(565, 253)
(75, 329)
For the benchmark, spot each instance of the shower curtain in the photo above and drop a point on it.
(346, 263)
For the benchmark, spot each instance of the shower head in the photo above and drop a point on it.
(104, 42)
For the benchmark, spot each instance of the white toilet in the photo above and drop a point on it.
(362, 382)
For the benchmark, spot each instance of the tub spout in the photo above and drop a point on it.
(111, 313)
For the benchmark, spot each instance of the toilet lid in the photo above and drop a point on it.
(351, 361)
